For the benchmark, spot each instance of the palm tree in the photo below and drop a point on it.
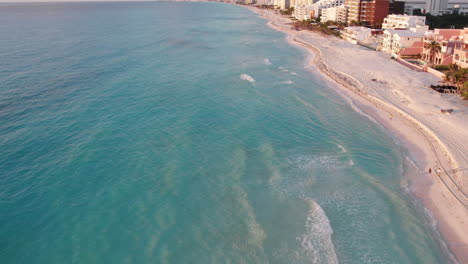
(456, 76)
(449, 75)
(459, 77)
(434, 48)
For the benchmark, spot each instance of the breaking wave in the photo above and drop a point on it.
(266, 61)
(247, 77)
(317, 241)
(342, 149)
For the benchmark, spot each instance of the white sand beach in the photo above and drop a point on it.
(399, 98)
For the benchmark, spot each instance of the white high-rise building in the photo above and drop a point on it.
(435, 7)
(322, 4)
(302, 12)
(403, 21)
(304, 2)
(335, 14)
(276, 3)
(281, 4)
(302, 9)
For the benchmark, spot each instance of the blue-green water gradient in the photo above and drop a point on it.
(186, 133)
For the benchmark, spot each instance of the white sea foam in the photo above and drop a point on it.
(283, 69)
(315, 162)
(288, 82)
(247, 77)
(343, 150)
(266, 61)
(317, 241)
(293, 73)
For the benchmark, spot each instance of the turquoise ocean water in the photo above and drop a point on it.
(187, 133)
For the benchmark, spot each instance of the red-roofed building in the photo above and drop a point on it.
(447, 39)
(413, 51)
(460, 52)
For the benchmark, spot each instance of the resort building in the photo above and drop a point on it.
(436, 7)
(460, 54)
(403, 22)
(447, 41)
(460, 51)
(303, 2)
(403, 42)
(368, 12)
(303, 9)
(323, 4)
(281, 4)
(361, 35)
(303, 12)
(335, 14)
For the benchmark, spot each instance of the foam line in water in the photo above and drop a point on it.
(317, 241)
(318, 162)
(247, 77)
(342, 149)
(266, 61)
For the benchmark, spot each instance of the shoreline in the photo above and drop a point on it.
(446, 198)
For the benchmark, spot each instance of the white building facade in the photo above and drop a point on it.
(303, 9)
(322, 4)
(357, 35)
(335, 14)
(281, 4)
(393, 41)
(403, 22)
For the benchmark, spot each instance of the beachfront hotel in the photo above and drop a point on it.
(335, 14)
(361, 35)
(303, 9)
(282, 4)
(410, 41)
(403, 22)
(368, 12)
(460, 51)
(324, 4)
(449, 40)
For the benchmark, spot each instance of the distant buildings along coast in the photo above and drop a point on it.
(389, 26)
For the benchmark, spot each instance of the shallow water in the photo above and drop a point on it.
(186, 133)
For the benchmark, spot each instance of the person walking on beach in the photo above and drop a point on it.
(438, 172)
(430, 170)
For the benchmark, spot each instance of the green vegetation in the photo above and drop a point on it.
(356, 23)
(318, 27)
(464, 92)
(288, 11)
(434, 48)
(442, 68)
(458, 77)
(447, 21)
(265, 7)
(444, 21)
